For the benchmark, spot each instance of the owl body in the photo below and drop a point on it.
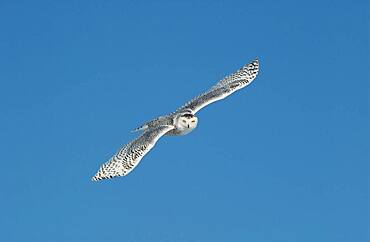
(184, 123)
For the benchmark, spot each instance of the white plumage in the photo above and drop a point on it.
(180, 122)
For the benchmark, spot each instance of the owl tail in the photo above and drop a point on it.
(152, 123)
(140, 128)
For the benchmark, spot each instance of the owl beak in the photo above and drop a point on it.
(188, 126)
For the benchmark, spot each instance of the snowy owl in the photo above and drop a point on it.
(180, 122)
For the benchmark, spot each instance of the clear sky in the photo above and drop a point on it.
(285, 159)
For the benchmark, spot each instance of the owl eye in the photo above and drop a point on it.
(184, 121)
(193, 121)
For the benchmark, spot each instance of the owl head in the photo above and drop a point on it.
(187, 121)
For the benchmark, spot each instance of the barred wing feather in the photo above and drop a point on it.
(224, 88)
(130, 155)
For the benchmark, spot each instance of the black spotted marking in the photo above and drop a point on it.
(234, 85)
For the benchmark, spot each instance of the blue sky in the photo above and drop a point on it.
(286, 159)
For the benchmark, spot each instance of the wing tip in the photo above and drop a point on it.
(256, 63)
(253, 67)
(96, 178)
(102, 175)
(99, 178)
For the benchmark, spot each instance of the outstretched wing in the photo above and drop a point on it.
(130, 155)
(224, 88)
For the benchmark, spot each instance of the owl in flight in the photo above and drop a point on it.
(180, 122)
